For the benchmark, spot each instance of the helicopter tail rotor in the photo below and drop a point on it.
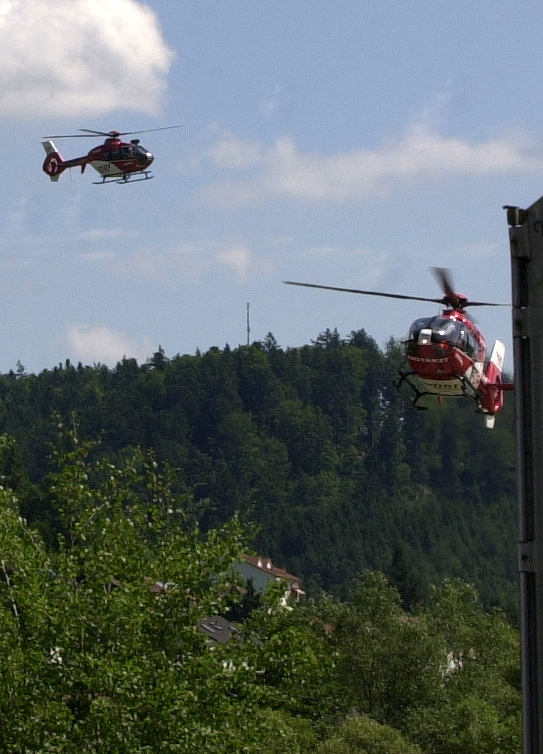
(53, 165)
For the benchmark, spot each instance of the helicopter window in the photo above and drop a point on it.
(449, 330)
(142, 155)
(417, 326)
(469, 344)
(443, 329)
(120, 154)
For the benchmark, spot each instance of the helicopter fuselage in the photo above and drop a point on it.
(113, 159)
(443, 348)
(447, 354)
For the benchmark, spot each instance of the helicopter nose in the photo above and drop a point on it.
(144, 158)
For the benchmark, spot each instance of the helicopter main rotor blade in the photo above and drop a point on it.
(127, 133)
(445, 301)
(90, 133)
(93, 135)
(482, 303)
(444, 277)
(148, 130)
(365, 293)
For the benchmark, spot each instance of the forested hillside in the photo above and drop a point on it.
(313, 444)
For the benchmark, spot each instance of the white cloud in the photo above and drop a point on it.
(231, 152)
(189, 260)
(237, 258)
(101, 234)
(94, 344)
(421, 154)
(80, 57)
(279, 101)
(168, 264)
(374, 264)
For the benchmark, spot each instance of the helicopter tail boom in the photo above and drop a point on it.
(53, 165)
(492, 384)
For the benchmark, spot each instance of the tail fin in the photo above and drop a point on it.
(53, 165)
(495, 363)
(492, 398)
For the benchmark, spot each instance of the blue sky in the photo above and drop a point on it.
(328, 141)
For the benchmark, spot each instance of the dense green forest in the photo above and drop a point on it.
(313, 444)
(96, 659)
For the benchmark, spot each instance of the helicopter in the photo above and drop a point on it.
(116, 161)
(446, 353)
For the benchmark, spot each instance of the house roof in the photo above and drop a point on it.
(217, 628)
(265, 564)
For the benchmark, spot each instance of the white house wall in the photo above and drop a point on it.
(260, 578)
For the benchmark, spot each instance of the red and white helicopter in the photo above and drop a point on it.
(116, 160)
(446, 353)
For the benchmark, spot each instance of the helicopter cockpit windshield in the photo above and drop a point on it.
(443, 330)
(143, 156)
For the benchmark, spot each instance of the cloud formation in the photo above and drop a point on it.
(188, 260)
(94, 344)
(421, 154)
(80, 58)
(374, 262)
(104, 234)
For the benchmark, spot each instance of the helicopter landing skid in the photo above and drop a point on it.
(125, 179)
(412, 393)
(409, 390)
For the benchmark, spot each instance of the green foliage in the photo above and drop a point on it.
(362, 735)
(285, 734)
(470, 725)
(446, 676)
(99, 639)
(480, 712)
(407, 578)
(388, 660)
(101, 649)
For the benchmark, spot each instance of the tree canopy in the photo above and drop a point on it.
(101, 648)
(312, 443)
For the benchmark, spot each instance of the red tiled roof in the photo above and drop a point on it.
(265, 564)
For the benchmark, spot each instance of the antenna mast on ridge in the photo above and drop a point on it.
(248, 324)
